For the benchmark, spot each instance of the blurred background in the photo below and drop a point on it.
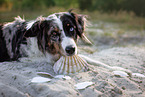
(45, 7)
(113, 22)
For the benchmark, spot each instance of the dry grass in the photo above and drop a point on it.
(128, 20)
(7, 16)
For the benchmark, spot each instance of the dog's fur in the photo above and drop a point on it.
(50, 36)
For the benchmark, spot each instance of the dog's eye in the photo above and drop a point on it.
(54, 33)
(71, 29)
(54, 36)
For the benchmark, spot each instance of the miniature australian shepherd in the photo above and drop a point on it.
(52, 36)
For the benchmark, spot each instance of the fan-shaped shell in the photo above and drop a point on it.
(70, 64)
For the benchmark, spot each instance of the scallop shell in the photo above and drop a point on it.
(70, 65)
(83, 85)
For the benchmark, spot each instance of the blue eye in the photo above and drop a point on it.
(71, 29)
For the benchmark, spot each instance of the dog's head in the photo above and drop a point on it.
(57, 33)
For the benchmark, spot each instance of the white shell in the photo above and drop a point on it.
(45, 74)
(120, 73)
(70, 64)
(63, 76)
(138, 75)
(40, 80)
(83, 85)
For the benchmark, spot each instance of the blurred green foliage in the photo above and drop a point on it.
(136, 6)
(31, 4)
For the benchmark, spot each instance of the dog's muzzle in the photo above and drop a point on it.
(69, 46)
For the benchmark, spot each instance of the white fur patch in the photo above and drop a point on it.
(29, 24)
(59, 23)
(67, 41)
(17, 19)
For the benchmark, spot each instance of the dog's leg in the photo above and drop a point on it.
(111, 68)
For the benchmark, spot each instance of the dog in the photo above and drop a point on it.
(51, 37)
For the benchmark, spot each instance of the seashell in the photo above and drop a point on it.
(70, 65)
(83, 85)
(40, 80)
(63, 77)
(45, 74)
(48, 75)
(120, 73)
(138, 75)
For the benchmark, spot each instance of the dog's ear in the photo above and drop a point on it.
(32, 30)
(39, 29)
(80, 21)
(33, 27)
(41, 35)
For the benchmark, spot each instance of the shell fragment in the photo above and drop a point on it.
(45, 74)
(70, 65)
(138, 75)
(120, 73)
(83, 85)
(63, 77)
(40, 80)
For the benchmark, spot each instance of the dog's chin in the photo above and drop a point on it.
(67, 55)
(70, 54)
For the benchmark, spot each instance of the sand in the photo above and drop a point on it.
(15, 77)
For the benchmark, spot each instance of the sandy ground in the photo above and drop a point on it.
(15, 77)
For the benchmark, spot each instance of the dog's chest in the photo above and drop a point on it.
(31, 48)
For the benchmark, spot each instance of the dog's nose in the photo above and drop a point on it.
(70, 50)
